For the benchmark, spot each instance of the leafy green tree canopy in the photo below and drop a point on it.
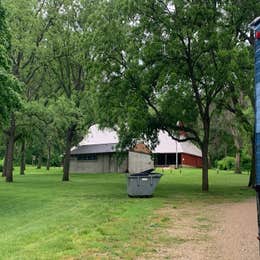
(9, 85)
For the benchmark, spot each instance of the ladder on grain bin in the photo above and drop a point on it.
(255, 25)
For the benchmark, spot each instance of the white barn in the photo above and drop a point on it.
(96, 153)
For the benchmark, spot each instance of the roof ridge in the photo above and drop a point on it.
(94, 144)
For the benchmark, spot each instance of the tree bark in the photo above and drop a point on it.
(48, 158)
(252, 177)
(22, 163)
(66, 163)
(39, 162)
(238, 162)
(10, 150)
(205, 168)
(205, 151)
(5, 160)
(238, 142)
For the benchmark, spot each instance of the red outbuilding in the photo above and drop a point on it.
(170, 153)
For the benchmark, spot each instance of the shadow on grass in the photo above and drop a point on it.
(192, 192)
(186, 187)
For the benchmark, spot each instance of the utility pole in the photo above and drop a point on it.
(176, 160)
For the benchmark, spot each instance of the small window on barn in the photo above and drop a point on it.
(86, 157)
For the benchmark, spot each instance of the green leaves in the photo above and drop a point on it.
(9, 85)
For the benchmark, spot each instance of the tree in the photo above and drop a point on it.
(69, 69)
(221, 142)
(162, 63)
(48, 57)
(28, 21)
(239, 15)
(36, 129)
(228, 138)
(10, 87)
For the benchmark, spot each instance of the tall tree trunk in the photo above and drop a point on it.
(238, 142)
(22, 163)
(5, 160)
(10, 151)
(205, 151)
(48, 158)
(39, 162)
(33, 159)
(66, 163)
(252, 177)
(238, 162)
(205, 168)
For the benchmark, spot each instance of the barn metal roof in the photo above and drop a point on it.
(94, 148)
(102, 141)
(168, 145)
(97, 136)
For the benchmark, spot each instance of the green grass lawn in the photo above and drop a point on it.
(91, 216)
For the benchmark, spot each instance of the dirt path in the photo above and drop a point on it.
(223, 231)
(235, 234)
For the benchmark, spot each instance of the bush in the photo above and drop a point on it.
(227, 163)
(246, 162)
(56, 160)
(1, 167)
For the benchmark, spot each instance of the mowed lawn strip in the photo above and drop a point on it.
(92, 216)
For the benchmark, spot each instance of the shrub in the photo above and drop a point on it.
(246, 162)
(227, 163)
(56, 161)
(1, 167)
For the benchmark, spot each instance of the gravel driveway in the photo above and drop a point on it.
(236, 232)
(225, 231)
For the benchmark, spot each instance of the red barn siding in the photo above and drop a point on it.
(191, 160)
